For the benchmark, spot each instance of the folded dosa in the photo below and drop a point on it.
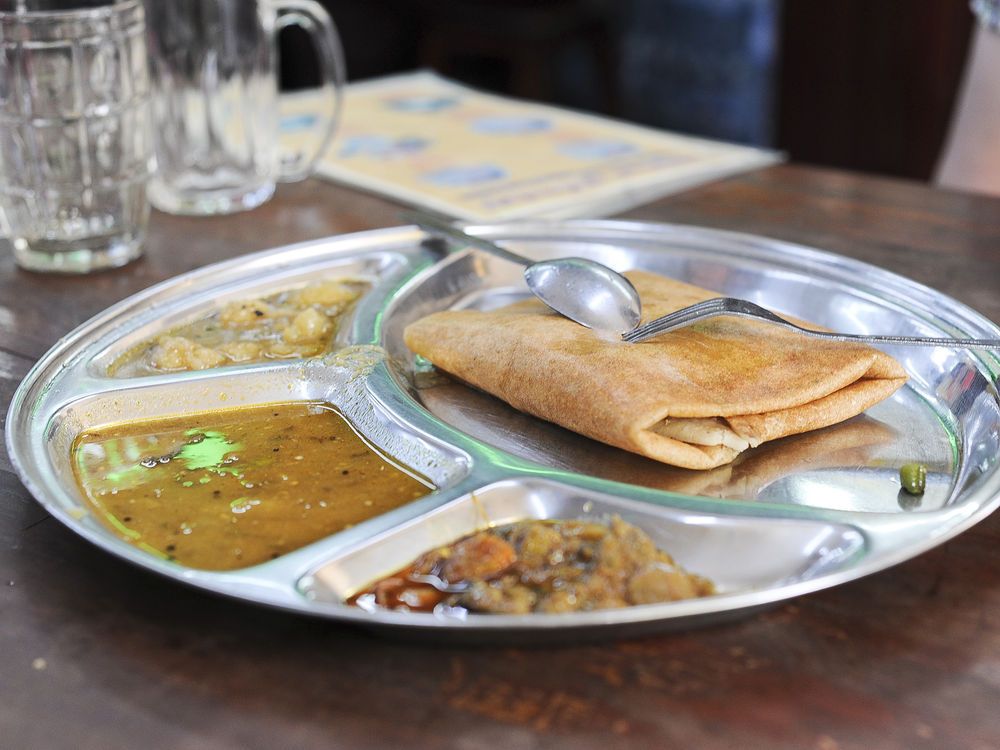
(695, 398)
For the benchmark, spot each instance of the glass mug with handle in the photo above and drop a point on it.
(216, 106)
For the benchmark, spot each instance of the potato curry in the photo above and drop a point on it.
(292, 324)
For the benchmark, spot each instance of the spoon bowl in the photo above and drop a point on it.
(585, 291)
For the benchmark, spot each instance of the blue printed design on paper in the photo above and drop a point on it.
(510, 125)
(381, 147)
(422, 103)
(294, 123)
(590, 149)
(474, 174)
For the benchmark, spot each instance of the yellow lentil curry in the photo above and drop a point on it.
(547, 566)
(292, 324)
(233, 488)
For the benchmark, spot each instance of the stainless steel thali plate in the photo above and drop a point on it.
(788, 518)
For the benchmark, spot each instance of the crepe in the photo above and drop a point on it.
(695, 398)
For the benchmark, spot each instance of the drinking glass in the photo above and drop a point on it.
(75, 151)
(216, 103)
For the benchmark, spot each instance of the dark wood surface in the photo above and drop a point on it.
(95, 654)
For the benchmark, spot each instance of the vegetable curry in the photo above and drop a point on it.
(292, 324)
(545, 566)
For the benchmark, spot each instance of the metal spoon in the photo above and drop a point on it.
(584, 291)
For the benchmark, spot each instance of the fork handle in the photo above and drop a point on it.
(655, 328)
(906, 340)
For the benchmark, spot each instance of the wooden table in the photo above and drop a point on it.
(95, 654)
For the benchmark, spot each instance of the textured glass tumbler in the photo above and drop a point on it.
(216, 104)
(75, 145)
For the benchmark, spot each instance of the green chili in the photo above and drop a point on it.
(913, 477)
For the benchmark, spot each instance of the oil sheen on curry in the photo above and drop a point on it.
(233, 488)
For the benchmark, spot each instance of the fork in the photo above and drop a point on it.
(742, 308)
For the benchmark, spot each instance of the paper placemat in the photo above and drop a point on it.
(430, 142)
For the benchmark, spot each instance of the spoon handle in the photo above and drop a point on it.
(443, 228)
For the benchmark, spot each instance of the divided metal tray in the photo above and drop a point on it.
(786, 519)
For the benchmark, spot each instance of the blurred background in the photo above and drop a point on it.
(855, 84)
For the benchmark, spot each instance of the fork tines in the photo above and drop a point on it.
(678, 319)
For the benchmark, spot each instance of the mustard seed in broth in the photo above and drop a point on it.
(229, 489)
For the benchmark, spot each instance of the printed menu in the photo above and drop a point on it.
(430, 142)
